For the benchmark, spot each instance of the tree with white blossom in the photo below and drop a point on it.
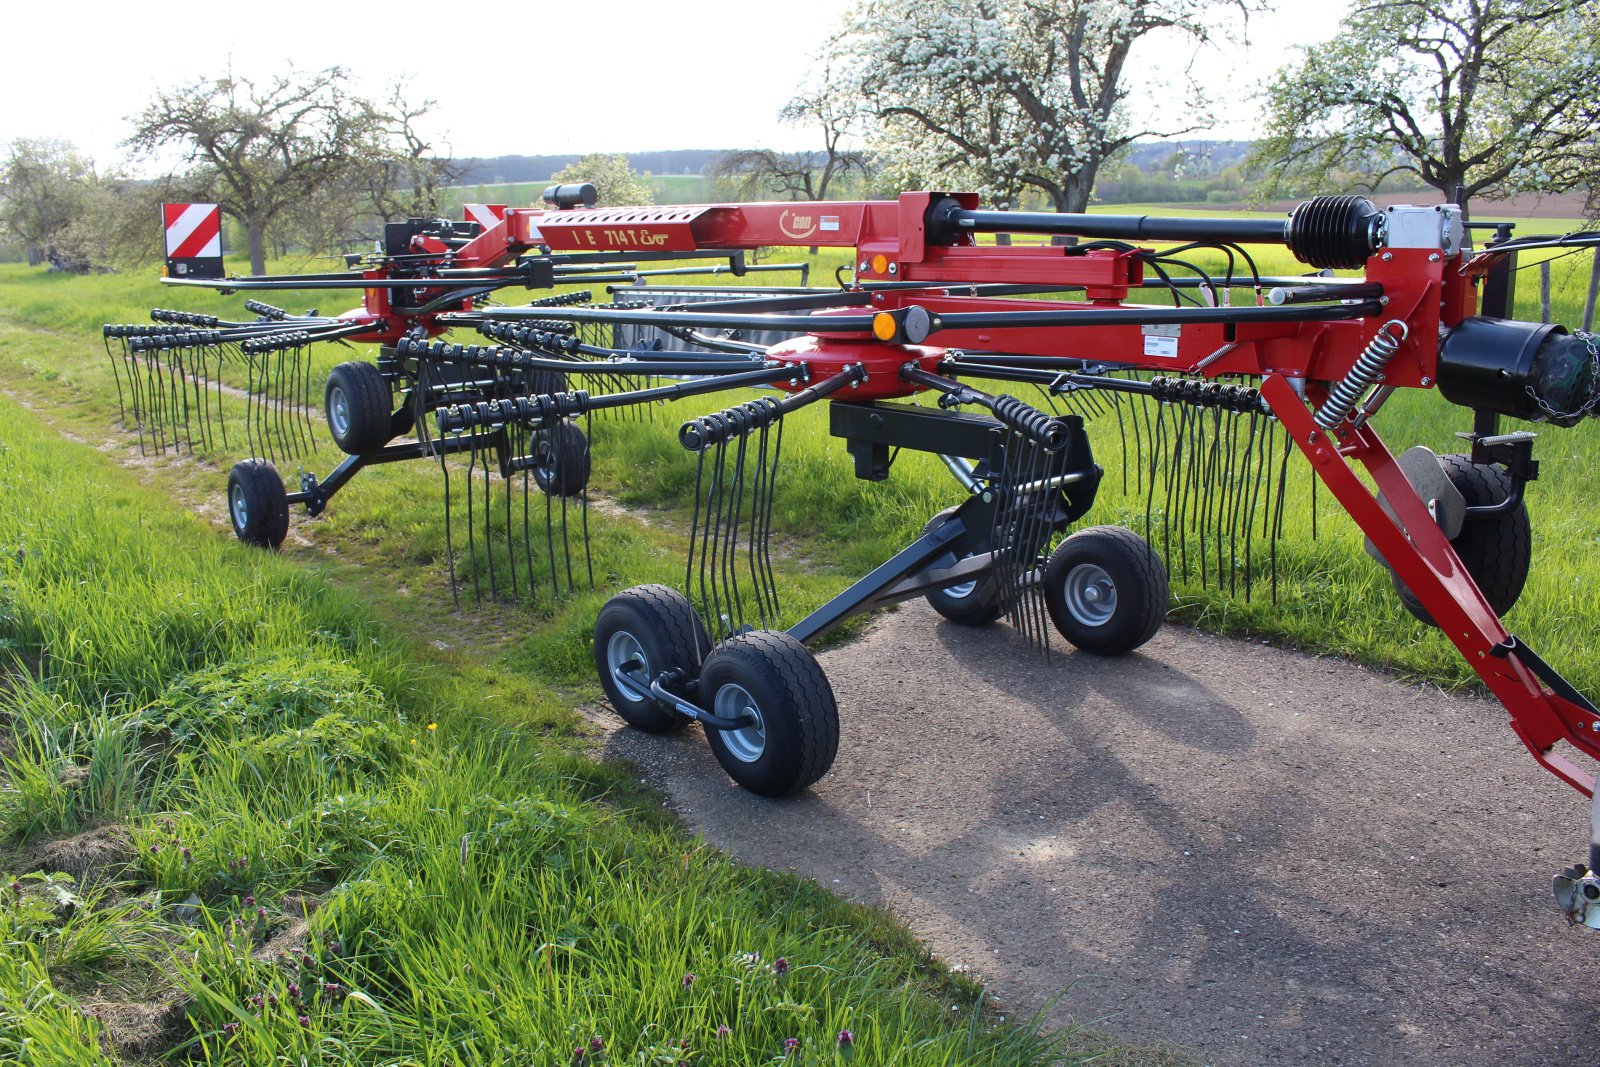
(1000, 96)
(1491, 97)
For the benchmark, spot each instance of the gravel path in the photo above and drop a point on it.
(1263, 856)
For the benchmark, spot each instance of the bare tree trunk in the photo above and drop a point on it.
(255, 237)
(1544, 291)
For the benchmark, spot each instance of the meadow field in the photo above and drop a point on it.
(299, 806)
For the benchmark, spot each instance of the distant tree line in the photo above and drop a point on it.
(299, 160)
(1027, 102)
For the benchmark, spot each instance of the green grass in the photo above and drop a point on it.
(258, 726)
(482, 894)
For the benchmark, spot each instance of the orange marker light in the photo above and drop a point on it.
(883, 326)
(880, 264)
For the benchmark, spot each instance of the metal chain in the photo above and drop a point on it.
(1592, 342)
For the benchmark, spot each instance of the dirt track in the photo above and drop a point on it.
(1263, 856)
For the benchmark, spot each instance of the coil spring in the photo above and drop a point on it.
(531, 410)
(255, 346)
(137, 329)
(1047, 431)
(182, 318)
(1200, 393)
(162, 342)
(554, 336)
(581, 296)
(699, 434)
(1346, 392)
(266, 311)
(477, 355)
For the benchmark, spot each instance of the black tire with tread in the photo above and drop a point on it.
(665, 625)
(980, 607)
(256, 484)
(1497, 550)
(1135, 571)
(561, 459)
(368, 398)
(800, 713)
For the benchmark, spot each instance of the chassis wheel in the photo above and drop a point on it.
(770, 677)
(1496, 550)
(357, 405)
(561, 459)
(1106, 590)
(654, 624)
(973, 603)
(257, 503)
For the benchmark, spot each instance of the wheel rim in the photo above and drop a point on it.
(544, 459)
(338, 411)
(240, 508)
(1090, 595)
(956, 592)
(748, 742)
(622, 648)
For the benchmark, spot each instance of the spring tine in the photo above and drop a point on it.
(766, 532)
(1179, 475)
(277, 406)
(296, 410)
(566, 540)
(1157, 453)
(449, 542)
(583, 510)
(472, 539)
(222, 421)
(1122, 435)
(1277, 512)
(550, 544)
(730, 559)
(757, 485)
(694, 528)
(527, 508)
(117, 377)
(511, 551)
(180, 357)
(488, 522)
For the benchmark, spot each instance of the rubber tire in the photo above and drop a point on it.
(1495, 551)
(561, 455)
(1137, 577)
(369, 418)
(978, 607)
(797, 705)
(670, 635)
(259, 490)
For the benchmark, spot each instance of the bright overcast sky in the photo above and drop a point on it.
(523, 79)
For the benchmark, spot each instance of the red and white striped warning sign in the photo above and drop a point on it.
(485, 215)
(194, 231)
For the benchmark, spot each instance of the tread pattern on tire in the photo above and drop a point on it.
(1150, 575)
(676, 623)
(370, 399)
(265, 500)
(1495, 551)
(790, 668)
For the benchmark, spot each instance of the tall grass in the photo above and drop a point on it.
(339, 849)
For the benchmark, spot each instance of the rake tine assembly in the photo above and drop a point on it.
(1211, 397)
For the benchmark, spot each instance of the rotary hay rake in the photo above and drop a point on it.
(1211, 399)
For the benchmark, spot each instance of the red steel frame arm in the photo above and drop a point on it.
(1421, 555)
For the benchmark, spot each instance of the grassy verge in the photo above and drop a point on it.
(299, 836)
